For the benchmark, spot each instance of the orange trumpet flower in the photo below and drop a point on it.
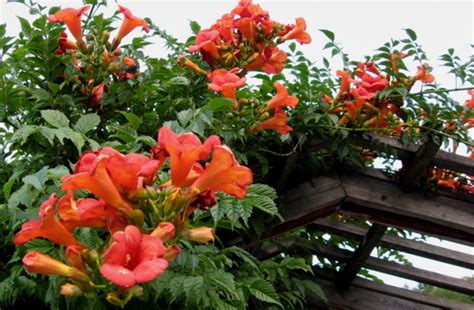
(298, 32)
(37, 262)
(225, 82)
(47, 226)
(224, 174)
(98, 182)
(184, 151)
(72, 18)
(424, 75)
(129, 23)
(278, 122)
(281, 99)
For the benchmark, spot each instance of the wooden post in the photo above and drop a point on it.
(352, 267)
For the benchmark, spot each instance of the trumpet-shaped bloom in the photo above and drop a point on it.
(97, 93)
(372, 81)
(65, 45)
(345, 82)
(74, 257)
(98, 181)
(36, 262)
(129, 23)
(72, 18)
(184, 151)
(225, 82)
(246, 26)
(246, 8)
(281, 99)
(224, 174)
(298, 32)
(206, 42)
(128, 172)
(278, 122)
(184, 61)
(86, 212)
(271, 60)
(133, 258)
(47, 226)
(225, 26)
(424, 75)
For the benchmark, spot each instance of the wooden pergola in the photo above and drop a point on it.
(384, 202)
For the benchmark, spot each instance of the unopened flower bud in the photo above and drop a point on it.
(105, 36)
(200, 234)
(114, 299)
(172, 252)
(70, 290)
(165, 231)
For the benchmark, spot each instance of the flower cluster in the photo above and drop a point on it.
(143, 216)
(246, 39)
(358, 103)
(452, 180)
(96, 51)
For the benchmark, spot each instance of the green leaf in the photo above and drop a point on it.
(87, 123)
(132, 119)
(315, 289)
(25, 26)
(193, 288)
(217, 104)
(184, 117)
(295, 263)
(195, 27)
(264, 291)
(411, 33)
(263, 190)
(329, 34)
(33, 181)
(179, 80)
(224, 281)
(76, 138)
(265, 204)
(55, 118)
(24, 132)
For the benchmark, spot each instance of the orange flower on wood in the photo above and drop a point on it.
(224, 174)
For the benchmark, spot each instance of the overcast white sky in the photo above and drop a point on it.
(361, 27)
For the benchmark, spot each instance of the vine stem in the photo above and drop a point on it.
(406, 126)
(433, 92)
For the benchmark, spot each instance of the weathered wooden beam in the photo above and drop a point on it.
(455, 194)
(383, 292)
(416, 168)
(385, 203)
(353, 266)
(308, 202)
(442, 159)
(419, 248)
(399, 270)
